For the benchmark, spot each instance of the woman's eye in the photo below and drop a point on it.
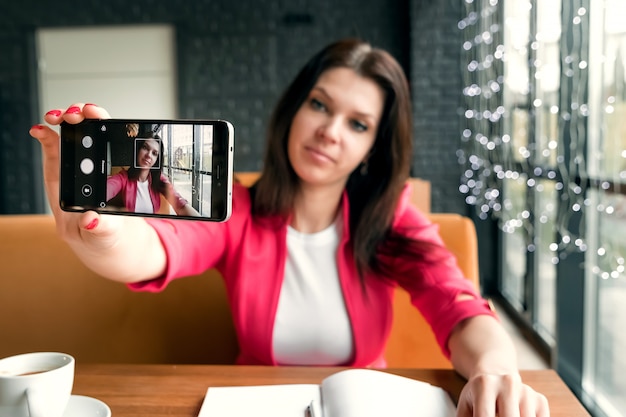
(358, 126)
(317, 105)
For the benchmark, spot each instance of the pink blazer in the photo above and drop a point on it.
(251, 256)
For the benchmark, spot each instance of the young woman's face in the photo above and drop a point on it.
(148, 153)
(335, 128)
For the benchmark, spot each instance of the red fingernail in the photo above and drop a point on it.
(73, 110)
(91, 104)
(37, 127)
(55, 113)
(92, 225)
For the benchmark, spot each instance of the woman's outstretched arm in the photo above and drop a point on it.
(121, 248)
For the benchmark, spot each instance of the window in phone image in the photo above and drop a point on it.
(170, 163)
(188, 162)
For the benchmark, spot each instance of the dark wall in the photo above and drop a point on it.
(234, 59)
(435, 76)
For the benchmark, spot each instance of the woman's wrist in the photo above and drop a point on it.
(494, 366)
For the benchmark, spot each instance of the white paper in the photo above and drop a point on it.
(289, 400)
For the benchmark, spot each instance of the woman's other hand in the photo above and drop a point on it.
(484, 353)
(178, 203)
(105, 243)
(490, 395)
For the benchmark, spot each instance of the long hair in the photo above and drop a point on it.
(373, 195)
(155, 173)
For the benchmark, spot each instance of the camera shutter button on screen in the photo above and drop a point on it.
(86, 166)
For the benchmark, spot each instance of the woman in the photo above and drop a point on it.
(312, 252)
(139, 188)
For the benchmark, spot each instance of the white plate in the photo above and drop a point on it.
(82, 406)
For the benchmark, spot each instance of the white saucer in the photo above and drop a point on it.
(82, 406)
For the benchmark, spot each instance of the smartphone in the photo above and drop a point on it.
(153, 168)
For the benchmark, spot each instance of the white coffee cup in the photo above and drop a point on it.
(37, 384)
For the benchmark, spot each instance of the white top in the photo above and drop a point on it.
(312, 326)
(143, 203)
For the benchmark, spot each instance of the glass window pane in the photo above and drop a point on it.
(605, 344)
(547, 80)
(178, 144)
(613, 103)
(608, 283)
(181, 179)
(520, 124)
(546, 258)
(614, 149)
(517, 74)
(516, 35)
(206, 181)
(515, 238)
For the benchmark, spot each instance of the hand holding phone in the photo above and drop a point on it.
(153, 168)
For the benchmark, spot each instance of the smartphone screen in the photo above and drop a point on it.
(153, 168)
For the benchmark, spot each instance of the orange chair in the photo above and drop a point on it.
(412, 343)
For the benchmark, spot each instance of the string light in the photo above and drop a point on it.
(497, 149)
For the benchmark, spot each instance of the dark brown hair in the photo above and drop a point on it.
(373, 196)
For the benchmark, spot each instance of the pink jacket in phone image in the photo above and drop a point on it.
(121, 183)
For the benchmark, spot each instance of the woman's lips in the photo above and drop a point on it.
(319, 155)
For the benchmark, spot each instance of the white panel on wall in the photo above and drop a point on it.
(129, 70)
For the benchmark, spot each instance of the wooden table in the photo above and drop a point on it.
(178, 390)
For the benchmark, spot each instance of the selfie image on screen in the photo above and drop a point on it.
(160, 169)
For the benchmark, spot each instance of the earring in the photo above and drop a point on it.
(363, 170)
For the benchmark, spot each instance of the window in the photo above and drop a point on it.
(560, 173)
(605, 363)
(546, 104)
(530, 185)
